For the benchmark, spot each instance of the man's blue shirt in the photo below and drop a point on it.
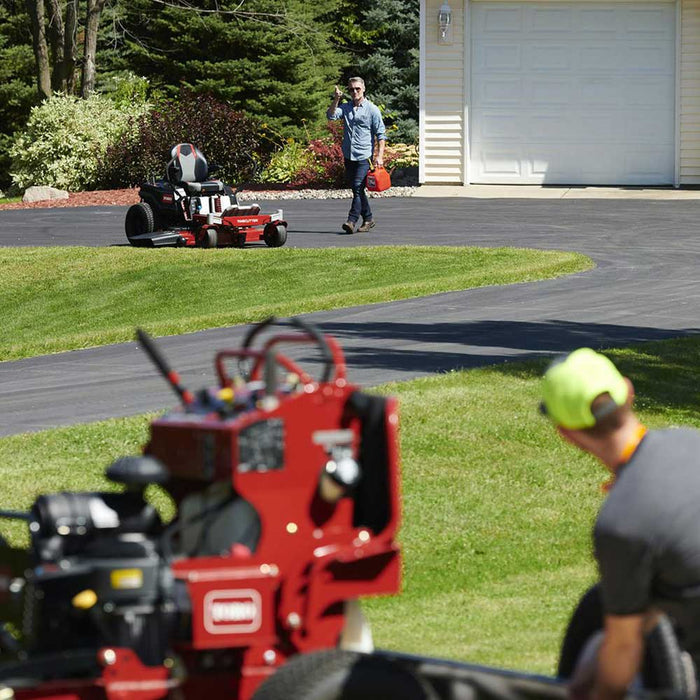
(362, 124)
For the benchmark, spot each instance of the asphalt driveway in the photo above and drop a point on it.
(646, 286)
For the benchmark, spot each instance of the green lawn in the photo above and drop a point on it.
(497, 509)
(58, 299)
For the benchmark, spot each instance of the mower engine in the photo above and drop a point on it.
(287, 495)
(97, 577)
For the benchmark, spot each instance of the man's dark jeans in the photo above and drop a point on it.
(355, 174)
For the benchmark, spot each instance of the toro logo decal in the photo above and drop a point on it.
(232, 612)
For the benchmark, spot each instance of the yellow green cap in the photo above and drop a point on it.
(570, 385)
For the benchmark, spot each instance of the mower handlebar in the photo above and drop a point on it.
(330, 357)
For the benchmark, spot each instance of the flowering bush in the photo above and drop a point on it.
(66, 139)
(320, 163)
(400, 155)
(326, 167)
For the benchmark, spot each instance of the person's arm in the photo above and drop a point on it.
(333, 112)
(380, 133)
(620, 656)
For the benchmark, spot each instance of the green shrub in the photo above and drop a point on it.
(287, 162)
(66, 139)
(226, 137)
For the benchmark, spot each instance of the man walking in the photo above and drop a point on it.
(363, 125)
(647, 533)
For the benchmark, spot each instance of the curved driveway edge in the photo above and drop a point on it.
(646, 287)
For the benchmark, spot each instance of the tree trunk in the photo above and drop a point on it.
(35, 8)
(92, 23)
(56, 40)
(69, 45)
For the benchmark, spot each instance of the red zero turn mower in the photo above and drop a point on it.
(188, 209)
(286, 489)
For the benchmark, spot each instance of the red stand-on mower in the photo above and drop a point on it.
(287, 495)
(189, 209)
(287, 506)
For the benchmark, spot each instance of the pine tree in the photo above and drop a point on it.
(268, 58)
(381, 37)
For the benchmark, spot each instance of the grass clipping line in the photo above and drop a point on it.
(497, 510)
(58, 299)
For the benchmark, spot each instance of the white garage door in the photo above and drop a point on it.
(572, 93)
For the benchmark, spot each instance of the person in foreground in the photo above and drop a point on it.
(647, 533)
(362, 125)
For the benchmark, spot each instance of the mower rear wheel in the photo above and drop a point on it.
(334, 674)
(139, 220)
(275, 235)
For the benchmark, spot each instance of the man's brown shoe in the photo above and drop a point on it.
(366, 226)
(350, 226)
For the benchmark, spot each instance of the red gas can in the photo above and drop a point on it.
(378, 180)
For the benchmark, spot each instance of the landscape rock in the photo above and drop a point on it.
(40, 193)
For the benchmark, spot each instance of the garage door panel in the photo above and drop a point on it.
(596, 57)
(500, 164)
(658, 92)
(502, 127)
(498, 57)
(601, 23)
(648, 21)
(647, 58)
(547, 19)
(546, 91)
(549, 58)
(598, 91)
(641, 129)
(572, 93)
(498, 91)
(501, 19)
(650, 164)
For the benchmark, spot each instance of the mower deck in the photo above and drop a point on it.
(219, 231)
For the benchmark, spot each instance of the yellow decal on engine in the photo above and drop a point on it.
(126, 578)
(85, 599)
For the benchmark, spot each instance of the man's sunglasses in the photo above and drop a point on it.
(354, 89)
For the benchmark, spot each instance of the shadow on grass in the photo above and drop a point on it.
(665, 374)
(663, 364)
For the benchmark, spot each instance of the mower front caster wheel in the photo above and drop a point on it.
(210, 238)
(275, 235)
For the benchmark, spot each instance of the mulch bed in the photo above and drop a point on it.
(101, 198)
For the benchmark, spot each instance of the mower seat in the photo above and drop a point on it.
(188, 168)
(238, 210)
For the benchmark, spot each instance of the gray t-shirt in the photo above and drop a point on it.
(647, 535)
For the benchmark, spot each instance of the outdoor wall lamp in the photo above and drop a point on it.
(445, 24)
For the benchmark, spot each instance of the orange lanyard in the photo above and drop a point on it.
(626, 454)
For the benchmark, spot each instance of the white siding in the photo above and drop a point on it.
(689, 89)
(443, 99)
